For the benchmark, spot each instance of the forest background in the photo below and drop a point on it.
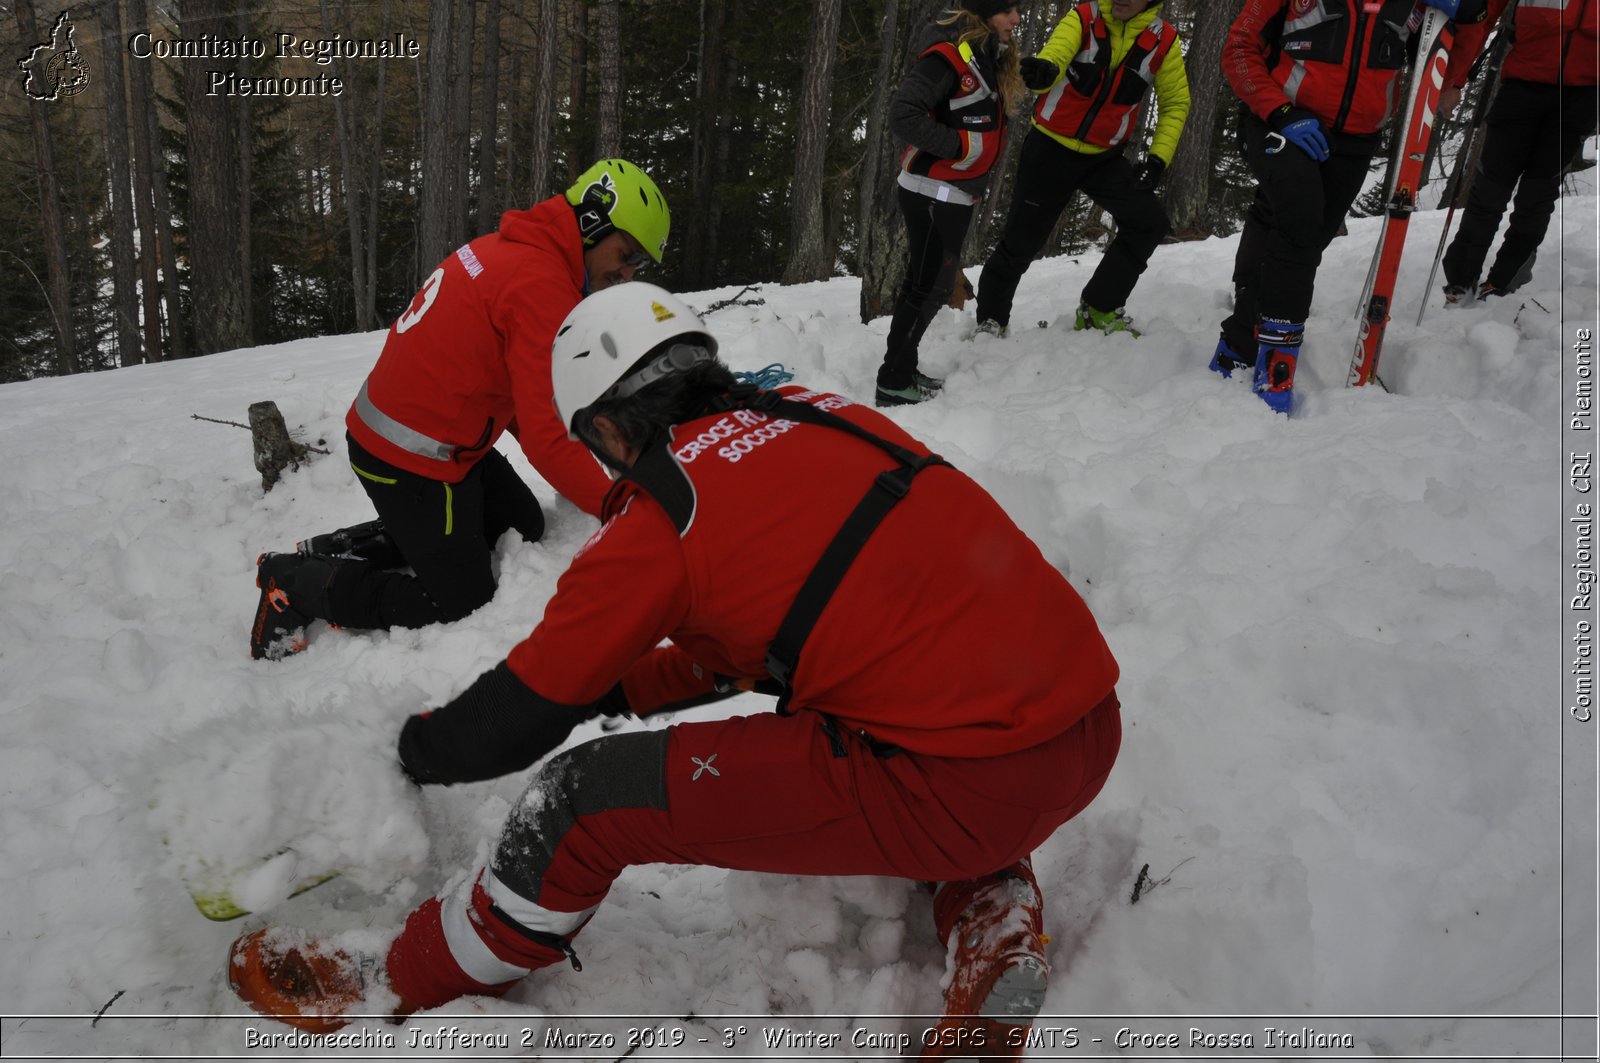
(147, 218)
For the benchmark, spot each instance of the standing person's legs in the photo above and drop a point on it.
(1293, 188)
(1275, 176)
(1047, 176)
(1520, 118)
(1141, 225)
(1238, 328)
(1569, 120)
(935, 234)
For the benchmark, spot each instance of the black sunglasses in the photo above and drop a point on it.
(638, 260)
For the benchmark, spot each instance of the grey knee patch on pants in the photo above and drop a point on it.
(615, 772)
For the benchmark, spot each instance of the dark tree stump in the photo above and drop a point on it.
(961, 292)
(274, 450)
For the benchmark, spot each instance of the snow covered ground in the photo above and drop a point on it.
(1343, 641)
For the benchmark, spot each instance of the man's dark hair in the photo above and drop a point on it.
(646, 415)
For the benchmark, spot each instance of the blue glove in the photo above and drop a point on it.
(1300, 129)
(1449, 7)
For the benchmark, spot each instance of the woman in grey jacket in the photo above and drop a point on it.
(951, 112)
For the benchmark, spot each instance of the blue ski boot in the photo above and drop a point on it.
(1225, 359)
(1278, 347)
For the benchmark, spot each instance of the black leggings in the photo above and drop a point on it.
(444, 531)
(936, 231)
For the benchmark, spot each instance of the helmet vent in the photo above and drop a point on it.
(609, 344)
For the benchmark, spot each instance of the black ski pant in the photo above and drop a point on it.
(935, 231)
(1048, 174)
(444, 531)
(1298, 208)
(1531, 136)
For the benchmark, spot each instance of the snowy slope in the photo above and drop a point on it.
(1341, 642)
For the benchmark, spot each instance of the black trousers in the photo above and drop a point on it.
(1532, 134)
(1048, 174)
(445, 532)
(936, 232)
(1298, 208)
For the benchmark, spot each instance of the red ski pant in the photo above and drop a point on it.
(784, 794)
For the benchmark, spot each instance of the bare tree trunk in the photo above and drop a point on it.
(246, 182)
(882, 232)
(870, 231)
(720, 160)
(147, 125)
(807, 241)
(144, 193)
(124, 282)
(577, 81)
(177, 327)
(608, 112)
(352, 194)
(698, 266)
(437, 165)
(461, 118)
(489, 131)
(1187, 187)
(55, 228)
(541, 172)
(214, 236)
(369, 313)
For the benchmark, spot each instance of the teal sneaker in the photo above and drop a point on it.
(926, 382)
(907, 396)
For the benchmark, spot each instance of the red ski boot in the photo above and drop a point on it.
(993, 927)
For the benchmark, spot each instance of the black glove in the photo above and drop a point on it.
(1038, 74)
(494, 727)
(1149, 173)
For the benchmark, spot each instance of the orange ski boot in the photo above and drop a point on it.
(998, 974)
(289, 976)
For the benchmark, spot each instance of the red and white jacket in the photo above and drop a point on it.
(470, 359)
(1098, 100)
(1556, 42)
(950, 634)
(1340, 60)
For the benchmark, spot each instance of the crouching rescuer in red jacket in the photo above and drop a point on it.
(936, 729)
(468, 360)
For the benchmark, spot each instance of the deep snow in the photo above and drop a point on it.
(1343, 642)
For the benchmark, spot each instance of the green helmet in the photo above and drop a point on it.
(613, 194)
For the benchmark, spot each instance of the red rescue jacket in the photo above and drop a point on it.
(1555, 42)
(1095, 102)
(950, 634)
(470, 358)
(1338, 59)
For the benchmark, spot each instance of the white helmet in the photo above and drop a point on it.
(609, 332)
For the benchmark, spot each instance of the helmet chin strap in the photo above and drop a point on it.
(656, 472)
